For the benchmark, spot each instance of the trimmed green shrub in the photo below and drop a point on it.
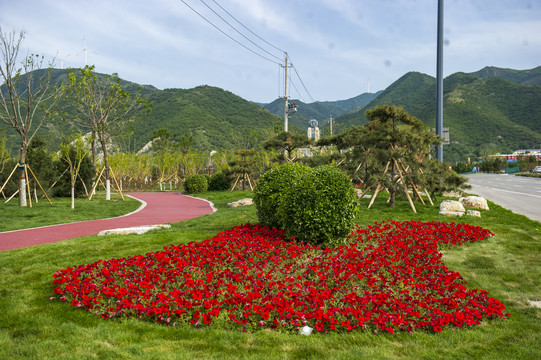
(320, 207)
(219, 182)
(196, 183)
(270, 188)
(207, 177)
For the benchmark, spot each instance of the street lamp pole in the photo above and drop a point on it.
(439, 81)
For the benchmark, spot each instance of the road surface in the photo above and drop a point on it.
(520, 194)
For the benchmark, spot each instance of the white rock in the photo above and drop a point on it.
(473, 213)
(241, 202)
(452, 205)
(451, 194)
(474, 202)
(451, 213)
(306, 330)
(360, 194)
(133, 230)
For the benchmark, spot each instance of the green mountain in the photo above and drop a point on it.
(214, 117)
(481, 112)
(524, 77)
(319, 110)
(497, 109)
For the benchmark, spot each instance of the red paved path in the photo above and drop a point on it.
(160, 208)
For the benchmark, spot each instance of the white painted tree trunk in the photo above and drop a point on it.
(22, 192)
(73, 197)
(108, 189)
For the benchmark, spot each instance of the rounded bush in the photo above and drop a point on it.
(320, 207)
(270, 188)
(219, 181)
(195, 184)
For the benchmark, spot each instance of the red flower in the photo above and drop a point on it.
(390, 277)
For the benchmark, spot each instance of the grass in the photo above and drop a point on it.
(13, 217)
(32, 327)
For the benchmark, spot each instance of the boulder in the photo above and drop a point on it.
(473, 213)
(360, 193)
(133, 230)
(454, 194)
(451, 208)
(474, 202)
(451, 213)
(241, 202)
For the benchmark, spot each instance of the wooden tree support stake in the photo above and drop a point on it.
(96, 184)
(405, 186)
(9, 178)
(41, 187)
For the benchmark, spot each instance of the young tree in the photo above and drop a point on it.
(73, 153)
(397, 140)
(27, 96)
(103, 106)
(287, 142)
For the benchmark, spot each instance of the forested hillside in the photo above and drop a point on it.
(214, 117)
(320, 110)
(491, 110)
(489, 114)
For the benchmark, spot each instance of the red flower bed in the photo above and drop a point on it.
(390, 277)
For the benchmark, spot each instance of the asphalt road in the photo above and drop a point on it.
(520, 194)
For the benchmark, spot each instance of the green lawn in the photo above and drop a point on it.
(508, 266)
(13, 217)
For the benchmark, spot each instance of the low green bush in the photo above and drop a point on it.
(219, 181)
(196, 183)
(319, 207)
(270, 188)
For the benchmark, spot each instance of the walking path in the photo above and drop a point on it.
(156, 208)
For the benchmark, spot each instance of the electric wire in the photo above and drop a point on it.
(229, 36)
(297, 90)
(241, 24)
(246, 47)
(304, 86)
(241, 34)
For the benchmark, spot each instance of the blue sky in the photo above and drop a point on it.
(340, 48)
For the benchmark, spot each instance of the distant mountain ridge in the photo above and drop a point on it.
(319, 110)
(523, 77)
(491, 108)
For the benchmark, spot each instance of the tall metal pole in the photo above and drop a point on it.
(286, 99)
(439, 81)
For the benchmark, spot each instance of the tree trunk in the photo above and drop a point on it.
(72, 197)
(106, 163)
(22, 175)
(393, 187)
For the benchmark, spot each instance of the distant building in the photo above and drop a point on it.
(313, 130)
(518, 155)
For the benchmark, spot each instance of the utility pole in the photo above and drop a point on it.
(286, 102)
(439, 81)
(331, 124)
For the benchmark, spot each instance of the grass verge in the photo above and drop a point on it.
(32, 327)
(13, 217)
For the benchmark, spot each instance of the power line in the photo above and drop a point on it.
(252, 42)
(229, 36)
(241, 34)
(241, 24)
(297, 90)
(304, 86)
